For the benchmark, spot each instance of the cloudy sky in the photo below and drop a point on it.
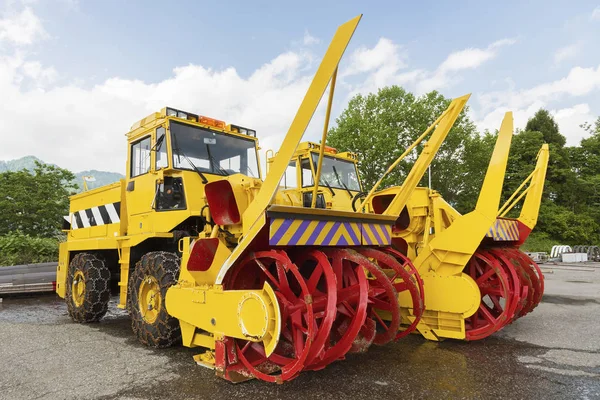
(75, 75)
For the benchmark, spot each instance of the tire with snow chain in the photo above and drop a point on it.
(150, 321)
(88, 288)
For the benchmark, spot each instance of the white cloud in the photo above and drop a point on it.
(384, 64)
(524, 103)
(81, 128)
(566, 53)
(309, 40)
(385, 53)
(493, 119)
(578, 82)
(471, 58)
(503, 42)
(42, 76)
(595, 14)
(570, 119)
(466, 59)
(21, 28)
(367, 69)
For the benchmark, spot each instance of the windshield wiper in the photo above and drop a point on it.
(340, 181)
(328, 186)
(179, 152)
(158, 143)
(214, 162)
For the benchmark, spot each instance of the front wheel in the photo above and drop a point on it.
(88, 288)
(150, 321)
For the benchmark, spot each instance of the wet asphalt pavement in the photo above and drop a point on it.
(552, 353)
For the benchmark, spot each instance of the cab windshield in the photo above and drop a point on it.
(212, 152)
(335, 173)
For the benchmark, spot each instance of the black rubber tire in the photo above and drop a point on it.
(164, 331)
(97, 288)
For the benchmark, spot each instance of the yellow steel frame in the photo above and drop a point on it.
(531, 205)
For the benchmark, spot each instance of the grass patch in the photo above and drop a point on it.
(538, 241)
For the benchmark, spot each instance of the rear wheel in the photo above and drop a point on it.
(150, 321)
(88, 288)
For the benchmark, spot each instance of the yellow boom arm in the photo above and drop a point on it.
(254, 217)
(531, 206)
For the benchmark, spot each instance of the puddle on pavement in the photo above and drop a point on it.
(412, 367)
(45, 309)
(573, 301)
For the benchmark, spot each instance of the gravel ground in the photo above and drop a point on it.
(553, 353)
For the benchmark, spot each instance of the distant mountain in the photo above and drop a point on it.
(101, 177)
(27, 162)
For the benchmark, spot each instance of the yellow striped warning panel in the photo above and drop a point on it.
(504, 230)
(307, 232)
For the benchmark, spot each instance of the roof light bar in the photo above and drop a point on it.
(242, 130)
(172, 112)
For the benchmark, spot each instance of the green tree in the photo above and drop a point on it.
(524, 148)
(35, 202)
(380, 126)
(543, 122)
(561, 184)
(570, 212)
(586, 165)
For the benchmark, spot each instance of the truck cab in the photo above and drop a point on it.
(339, 184)
(172, 154)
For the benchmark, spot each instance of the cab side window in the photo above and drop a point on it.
(140, 157)
(161, 149)
(289, 179)
(307, 174)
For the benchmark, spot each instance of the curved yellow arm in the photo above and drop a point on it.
(531, 206)
(491, 190)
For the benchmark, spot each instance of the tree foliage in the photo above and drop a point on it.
(543, 122)
(34, 202)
